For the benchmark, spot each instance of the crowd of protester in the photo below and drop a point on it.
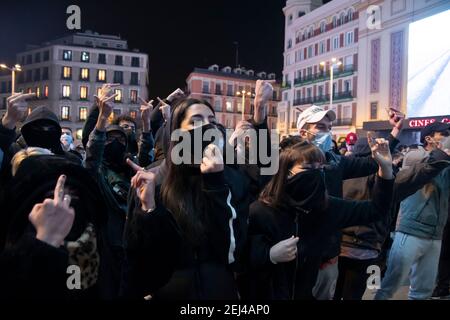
(139, 225)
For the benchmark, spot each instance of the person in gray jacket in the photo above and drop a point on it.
(420, 224)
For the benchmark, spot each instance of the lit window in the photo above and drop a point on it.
(83, 92)
(67, 72)
(118, 98)
(66, 91)
(82, 115)
(65, 113)
(99, 90)
(46, 91)
(133, 96)
(29, 90)
(79, 134)
(67, 55)
(85, 56)
(101, 75)
(229, 106)
(84, 74)
(38, 92)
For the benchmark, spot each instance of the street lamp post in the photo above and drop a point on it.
(333, 63)
(243, 93)
(13, 75)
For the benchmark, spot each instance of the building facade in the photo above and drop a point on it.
(66, 73)
(372, 74)
(220, 87)
(5, 89)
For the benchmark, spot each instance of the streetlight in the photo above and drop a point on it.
(333, 63)
(13, 74)
(244, 93)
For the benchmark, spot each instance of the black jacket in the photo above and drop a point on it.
(268, 226)
(161, 262)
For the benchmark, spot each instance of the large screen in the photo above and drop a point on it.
(429, 66)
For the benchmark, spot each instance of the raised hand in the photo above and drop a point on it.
(16, 106)
(284, 251)
(144, 183)
(103, 101)
(382, 155)
(212, 160)
(165, 109)
(263, 93)
(178, 93)
(53, 218)
(146, 110)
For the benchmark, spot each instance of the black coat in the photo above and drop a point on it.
(161, 262)
(268, 226)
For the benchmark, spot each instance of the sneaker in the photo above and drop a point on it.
(440, 293)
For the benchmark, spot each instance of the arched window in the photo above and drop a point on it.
(311, 31)
(334, 22)
(350, 14)
(322, 27)
(289, 44)
(342, 19)
(301, 13)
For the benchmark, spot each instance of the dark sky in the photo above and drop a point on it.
(177, 35)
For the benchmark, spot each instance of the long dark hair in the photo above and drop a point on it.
(181, 190)
(274, 194)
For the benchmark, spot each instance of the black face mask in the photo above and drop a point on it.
(115, 153)
(306, 190)
(196, 159)
(48, 138)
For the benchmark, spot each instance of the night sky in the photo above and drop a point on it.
(177, 35)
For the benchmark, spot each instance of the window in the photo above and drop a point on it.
(102, 58)
(205, 87)
(67, 55)
(218, 105)
(83, 93)
(135, 62)
(118, 98)
(322, 27)
(229, 106)
(134, 78)
(118, 77)
(67, 73)
(308, 92)
(66, 91)
(349, 38)
(45, 73)
(79, 134)
(335, 42)
(373, 110)
(335, 22)
(350, 14)
(38, 92)
(239, 107)
(289, 19)
(347, 113)
(3, 87)
(347, 86)
(28, 77)
(37, 57)
(46, 91)
(101, 75)
(230, 90)
(65, 113)
(301, 13)
(310, 51)
(320, 94)
(218, 88)
(119, 61)
(29, 90)
(84, 56)
(99, 89)
(82, 113)
(342, 18)
(37, 75)
(84, 74)
(133, 96)
(289, 44)
(46, 55)
(334, 89)
(29, 59)
(321, 47)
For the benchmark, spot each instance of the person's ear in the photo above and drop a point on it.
(303, 133)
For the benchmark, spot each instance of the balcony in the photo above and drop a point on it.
(286, 85)
(322, 99)
(324, 76)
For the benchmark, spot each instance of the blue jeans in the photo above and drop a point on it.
(415, 257)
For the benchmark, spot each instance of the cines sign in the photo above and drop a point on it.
(423, 122)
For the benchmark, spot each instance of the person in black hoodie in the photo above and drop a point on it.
(291, 223)
(25, 263)
(189, 244)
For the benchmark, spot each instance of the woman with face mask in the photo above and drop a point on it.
(190, 243)
(290, 224)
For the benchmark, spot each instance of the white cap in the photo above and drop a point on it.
(314, 114)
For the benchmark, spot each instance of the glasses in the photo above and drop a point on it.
(127, 127)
